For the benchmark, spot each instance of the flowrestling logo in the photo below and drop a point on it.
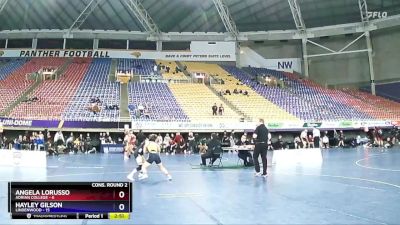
(377, 15)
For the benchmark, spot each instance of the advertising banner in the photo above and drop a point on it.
(10, 122)
(199, 51)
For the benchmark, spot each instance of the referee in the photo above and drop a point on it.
(261, 141)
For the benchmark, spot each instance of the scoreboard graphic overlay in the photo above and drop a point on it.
(70, 200)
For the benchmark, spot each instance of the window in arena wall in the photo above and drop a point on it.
(180, 46)
(2, 43)
(50, 43)
(19, 43)
(79, 44)
(112, 44)
(142, 45)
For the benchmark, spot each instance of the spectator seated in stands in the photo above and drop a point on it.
(111, 107)
(95, 108)
(235, 91)
(30, 99)
(140, 108)
(146, 113)
(245, 93)
(228, 92)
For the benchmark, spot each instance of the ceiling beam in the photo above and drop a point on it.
(143, 16)
(391, 21)
(362, 4)
(226, 18)
(296, 13)
(3, 4)
(84, 14)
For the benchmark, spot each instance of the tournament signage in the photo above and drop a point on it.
(312, 124)
(346, 123)
(274, 125)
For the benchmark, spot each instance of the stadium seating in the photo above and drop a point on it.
(321, 98)
(15, 83)
(389, 90)
(362, 105)
(282, 97)
(137, 66)
(382, 108)
(7, 66)
(254, 105)
(54, 95)
(95, 84)
(197, 100)
(171, 74)
(158, 99)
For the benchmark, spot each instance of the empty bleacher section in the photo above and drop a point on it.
(137, 66)
(12, 86)
(95, 84)
(388, 90)
(386, 109)
(172, 73)
(362, 104)
(254, 105)
(197, 100)
(7, 66)
(158, 99)
(53, 95)
(321, 98)
(292, 103)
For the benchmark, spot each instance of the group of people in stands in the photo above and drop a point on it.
(142, 111)
(235, 91)
(96, 104)
(270, 81)
(48, 69)
(217, 110)
(161, 68)
(30, 99)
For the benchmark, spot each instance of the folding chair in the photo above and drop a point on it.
(218, 151)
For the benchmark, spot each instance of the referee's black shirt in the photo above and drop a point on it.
(262, 134)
